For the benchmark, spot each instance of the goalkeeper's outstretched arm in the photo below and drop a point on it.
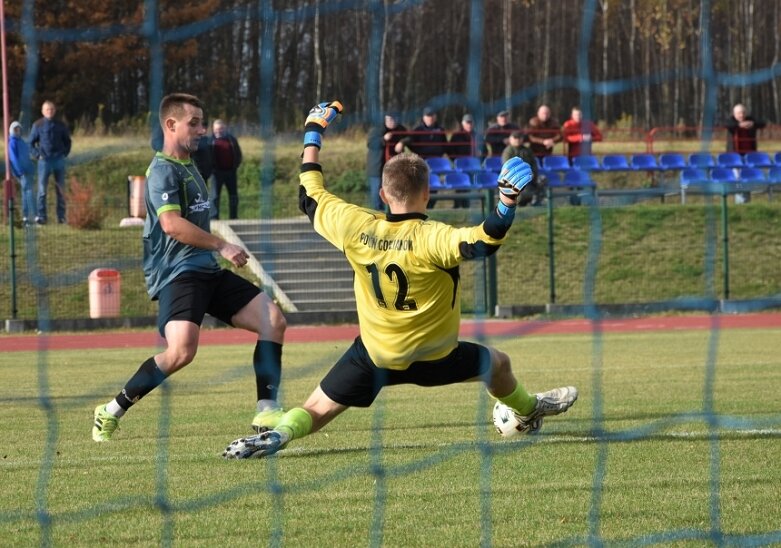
(316, 123)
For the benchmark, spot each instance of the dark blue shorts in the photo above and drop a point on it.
(192, 294)
(355, 380)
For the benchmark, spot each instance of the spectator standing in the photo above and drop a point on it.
(579, 134)
(407, 294)
(742, 130)
(534, 192)
(742, 138)
(543, 132)
(203, 157)
(182, 273)
(50, 140)
(22, 168)
(382, 144)
(497, 136)
(430, 139)
(227, 159)
(463, 141)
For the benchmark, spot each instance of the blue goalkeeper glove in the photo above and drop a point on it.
(319, 117)
(515, 175)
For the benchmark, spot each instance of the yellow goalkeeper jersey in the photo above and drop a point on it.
(406, 272)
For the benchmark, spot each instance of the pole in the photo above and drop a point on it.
(725, 241)
(8, 185)
(492, 278)
(551, 254)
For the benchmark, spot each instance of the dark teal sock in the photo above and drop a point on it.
(267, 362)
(147, 378)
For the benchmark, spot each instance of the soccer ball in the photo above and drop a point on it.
(506, 421)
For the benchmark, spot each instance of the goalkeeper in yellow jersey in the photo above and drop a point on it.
(408, 296)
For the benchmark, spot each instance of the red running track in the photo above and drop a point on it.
(324, 333)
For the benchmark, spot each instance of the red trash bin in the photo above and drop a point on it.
(104, 293)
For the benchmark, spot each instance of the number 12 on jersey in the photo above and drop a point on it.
(396, 275)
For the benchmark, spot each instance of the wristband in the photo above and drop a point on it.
(505, 210)
(313, 138)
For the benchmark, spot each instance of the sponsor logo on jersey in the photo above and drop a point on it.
(199, 204)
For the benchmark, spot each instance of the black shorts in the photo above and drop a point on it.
(192, 294)
(355, 380)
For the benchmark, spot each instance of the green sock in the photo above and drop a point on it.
(296, 422)
(520, 400)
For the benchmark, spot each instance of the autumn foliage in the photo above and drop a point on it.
(85, 208)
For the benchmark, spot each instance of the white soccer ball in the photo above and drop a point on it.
(506, 421)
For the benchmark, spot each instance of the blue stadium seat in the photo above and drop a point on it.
(575, 178)
(752, 175)
(672, 161)
(439, 165)
(691, 176)
(434, 182)
(701, 160)
(777, 158)
(586, 162)
(486, 179)
(493, 163)
(556, 162)
(758, 159)
(774, 175)
(695, 177)
(723, 175)
(644, 162)
(729, 159)
(457, 179)
(553, 177)
(468, 164)
(615, 162)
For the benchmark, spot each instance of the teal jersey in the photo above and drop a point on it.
(173, 185)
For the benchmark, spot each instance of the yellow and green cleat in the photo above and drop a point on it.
(104, 425)
(267, 420)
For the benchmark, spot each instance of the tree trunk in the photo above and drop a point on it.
(507, 43)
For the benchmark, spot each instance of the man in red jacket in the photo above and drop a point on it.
(579, 134)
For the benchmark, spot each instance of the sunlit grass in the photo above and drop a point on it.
(423, 463)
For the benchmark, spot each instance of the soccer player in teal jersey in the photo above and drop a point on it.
(183, 275)
(407, 293)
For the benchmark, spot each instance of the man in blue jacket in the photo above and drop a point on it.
(22, 167)
(51, 143)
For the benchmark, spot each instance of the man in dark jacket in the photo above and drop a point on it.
(497, 136)
(742, 138)
(382, 144)
(464, 142)
(50, 141)
(227, 158)
(429, 139)
(742, 130)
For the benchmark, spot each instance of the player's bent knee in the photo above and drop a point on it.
(277, 319)
(500, 365)
(178, 358)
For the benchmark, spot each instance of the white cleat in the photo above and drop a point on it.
(552, 402)
(262, 445)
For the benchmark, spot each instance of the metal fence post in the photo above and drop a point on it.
(492, 278)
(725, 241)
(551, 245)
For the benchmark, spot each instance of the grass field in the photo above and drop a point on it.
(639, 459)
